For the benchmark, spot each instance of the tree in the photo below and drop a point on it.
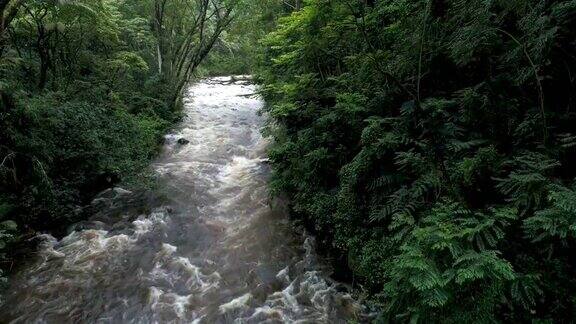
(8, 11)
(186, 31)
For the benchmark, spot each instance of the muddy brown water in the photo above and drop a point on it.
(214, 250)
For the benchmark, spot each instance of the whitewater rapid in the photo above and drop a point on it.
(215, 248)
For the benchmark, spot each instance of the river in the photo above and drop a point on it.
(214, 249)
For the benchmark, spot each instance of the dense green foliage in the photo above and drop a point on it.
(88, 88)
(238, 50)
(431, 144)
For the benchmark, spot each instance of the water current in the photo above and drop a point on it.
(215, 249)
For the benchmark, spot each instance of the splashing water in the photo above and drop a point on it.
(214, 252)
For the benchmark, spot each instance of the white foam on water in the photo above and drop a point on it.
(239, 302)
(162, 301)
(85, 249)
(283, 275)
(145, 224)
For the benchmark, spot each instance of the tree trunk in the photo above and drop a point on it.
(159, 10)
(43, 72)
(8, 11)
(159, 53)
(44, 55)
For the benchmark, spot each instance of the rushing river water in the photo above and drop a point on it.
(212, 251)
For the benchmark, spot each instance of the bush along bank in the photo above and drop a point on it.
(432, 145)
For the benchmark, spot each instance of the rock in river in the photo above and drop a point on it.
(183, 141)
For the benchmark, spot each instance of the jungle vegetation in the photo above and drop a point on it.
(431, 146)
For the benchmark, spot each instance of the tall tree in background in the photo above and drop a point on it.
(8, 11)
(186, 31)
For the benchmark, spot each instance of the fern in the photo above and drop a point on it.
(385, 182)
(525, 289)
(558, 220)
(527, 186)
(568, 141)
(454, 150)
(440, 256)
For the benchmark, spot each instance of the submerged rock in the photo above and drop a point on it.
(111, 193)
(183, 141)
(121, 192)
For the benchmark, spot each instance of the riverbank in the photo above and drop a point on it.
(430, 145)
